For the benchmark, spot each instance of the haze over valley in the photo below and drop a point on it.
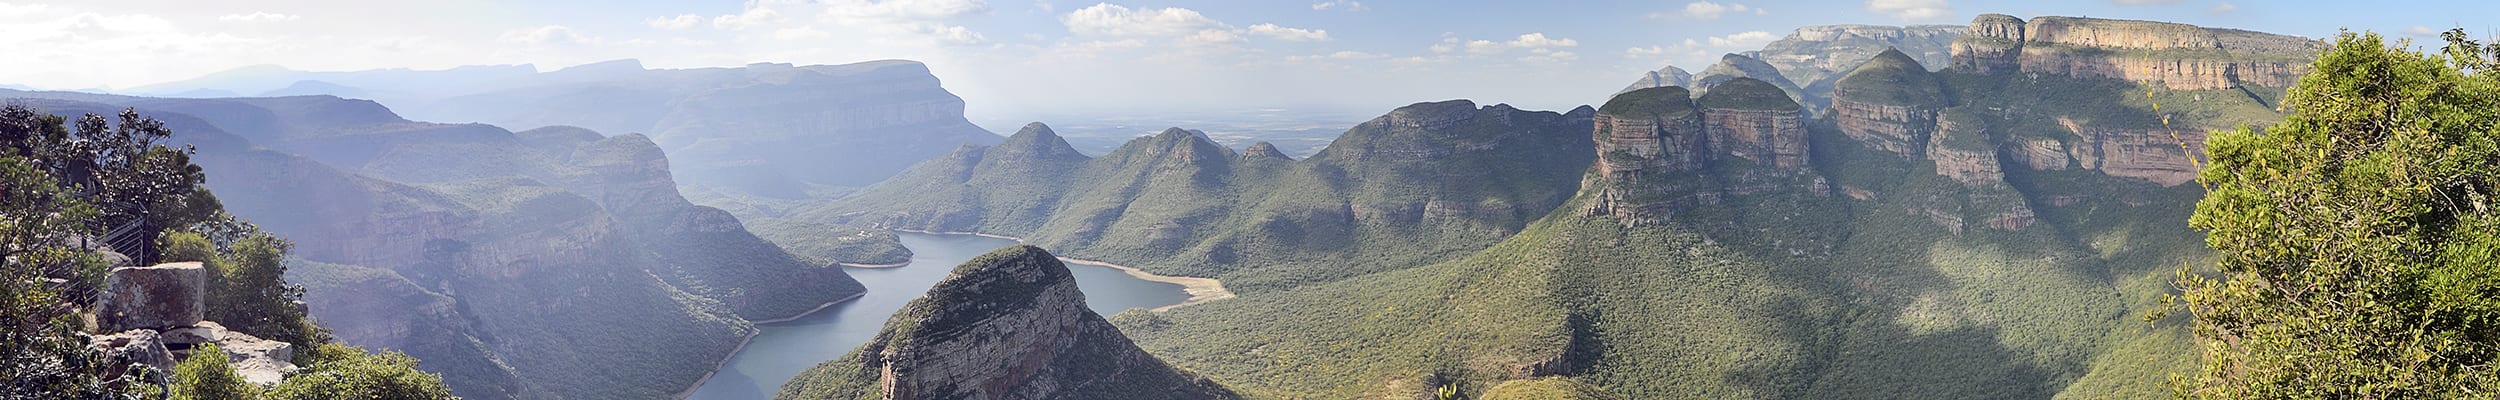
(961, 199)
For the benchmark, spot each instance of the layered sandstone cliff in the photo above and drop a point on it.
(1654, 146)
(2178, 56)
(1888, 103)
(1010, 324)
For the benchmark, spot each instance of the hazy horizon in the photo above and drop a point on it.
(1015, 61)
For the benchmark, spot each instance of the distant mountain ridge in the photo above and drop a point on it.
(1412, 185)
(766, 129)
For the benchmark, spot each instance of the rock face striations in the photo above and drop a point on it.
(2178, 56)
(1889, 103)
(1659, 149)
(1007, 325)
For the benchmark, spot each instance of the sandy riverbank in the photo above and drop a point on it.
(1200, 290)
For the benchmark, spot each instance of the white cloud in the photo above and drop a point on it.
(1540, 47)
(801, 33)
(1641, 52)
(1539, 40)
(752, 17)
(677, 23)
(1704, 10)
(1749, 39)
(547, 35)
(19, 10)
(256, 16)
(1340, 55)
(1115, 20)
(2222, 8)
(1212, 37)
(905, 9)
(1290, 34)
(2142, 2)
(1176, 24)
(2418, 30)
(1348, 6)
(1910, 9)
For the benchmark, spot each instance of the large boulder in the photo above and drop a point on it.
(259, 361)
(134, 347)
(155, 297)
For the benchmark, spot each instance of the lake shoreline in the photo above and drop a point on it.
(743, 340)
(1200, 290)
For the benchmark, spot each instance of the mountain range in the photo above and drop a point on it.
(1982, 211)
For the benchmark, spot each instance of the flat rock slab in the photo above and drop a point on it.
(154, 297)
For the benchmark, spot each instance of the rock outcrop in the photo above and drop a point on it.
(133, 348)
(2179, 56)
(1961, 150)
(153, 297)
(1651, 141)
(1753, 120)
(1264, 150)
(2149, 154)
(1888, 103)
(1010, 324)
(157, 311)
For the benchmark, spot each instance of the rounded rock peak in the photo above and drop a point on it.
(1650, 101)
(1747, 94)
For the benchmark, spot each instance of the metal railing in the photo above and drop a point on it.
(134, 240)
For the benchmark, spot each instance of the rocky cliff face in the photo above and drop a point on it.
(2149, 154)
(1889, 103)
(1008, 325)
(1652, 143)
(1961, 149)
(2180, 56)
(1753, 120)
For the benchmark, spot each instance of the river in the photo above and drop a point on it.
(783, 349)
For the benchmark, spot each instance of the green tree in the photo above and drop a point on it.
(2358, 240)
(346, 372)
(41, 354)
(209, 375)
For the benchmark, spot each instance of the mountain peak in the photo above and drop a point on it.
(1264, 150)
(1891, 78)
(1009, 324)
(1747, 94)
(1667, 100)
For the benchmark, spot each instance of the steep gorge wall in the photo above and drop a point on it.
(2180, 56)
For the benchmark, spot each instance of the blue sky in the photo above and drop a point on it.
(1011, 58)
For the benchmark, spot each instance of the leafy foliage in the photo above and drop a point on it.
(2357, 239)
(346, 372)
(208, 376)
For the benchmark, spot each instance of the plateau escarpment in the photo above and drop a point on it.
(1007, 325)
(2177, 56)
(2205, 77)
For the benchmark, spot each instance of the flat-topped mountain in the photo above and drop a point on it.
(762, 129)
(1007, 325)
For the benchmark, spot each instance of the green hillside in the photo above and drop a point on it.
(1424, 183)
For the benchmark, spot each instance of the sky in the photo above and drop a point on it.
(1011, 58)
